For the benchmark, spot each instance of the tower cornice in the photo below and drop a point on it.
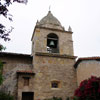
(55, 55)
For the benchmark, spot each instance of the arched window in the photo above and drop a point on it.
(52, 43)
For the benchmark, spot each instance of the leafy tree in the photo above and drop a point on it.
(4, 4)
(88, 89)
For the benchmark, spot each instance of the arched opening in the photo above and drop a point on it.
(52, 43)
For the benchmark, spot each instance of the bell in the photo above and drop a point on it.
(52, 43)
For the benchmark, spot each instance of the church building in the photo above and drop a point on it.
(51, 70)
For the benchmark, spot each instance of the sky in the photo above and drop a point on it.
(82, 15)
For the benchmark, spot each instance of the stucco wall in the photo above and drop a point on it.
(87, 68)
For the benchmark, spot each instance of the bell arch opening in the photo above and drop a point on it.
(52, 43)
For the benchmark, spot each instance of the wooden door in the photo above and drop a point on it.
(27, 95)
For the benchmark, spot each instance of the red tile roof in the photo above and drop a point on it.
(85, 58)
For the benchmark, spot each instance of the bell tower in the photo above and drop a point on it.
(50, 36)
(53, 59)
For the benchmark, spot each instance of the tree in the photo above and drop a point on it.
(4, 4)
(88, 89)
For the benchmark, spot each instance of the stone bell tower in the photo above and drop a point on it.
(49, 35)
(53, 59)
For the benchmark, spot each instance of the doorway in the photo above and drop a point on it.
(27, 95)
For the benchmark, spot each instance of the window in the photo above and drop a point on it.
(26, 81)
(55, 84)
(52, 43)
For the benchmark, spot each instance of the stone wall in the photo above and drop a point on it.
(48, 69)
(87, 68)
(11, 61)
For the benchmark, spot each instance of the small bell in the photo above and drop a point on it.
(52, 43)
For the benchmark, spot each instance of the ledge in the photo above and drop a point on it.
(21, 72)
(54, 29)
(54, 55)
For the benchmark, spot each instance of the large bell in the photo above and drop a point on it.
(52, 43)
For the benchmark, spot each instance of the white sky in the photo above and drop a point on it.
(82, 15)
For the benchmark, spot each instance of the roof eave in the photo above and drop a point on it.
(85, 59)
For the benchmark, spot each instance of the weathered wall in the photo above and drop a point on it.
(87, 68)
(13, 64)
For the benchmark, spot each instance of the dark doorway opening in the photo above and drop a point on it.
(27, 95)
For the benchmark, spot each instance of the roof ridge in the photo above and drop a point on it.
(93, 57)
(86, 58)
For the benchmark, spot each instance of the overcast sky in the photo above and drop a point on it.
(82, 15)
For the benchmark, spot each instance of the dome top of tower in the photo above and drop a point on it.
(50, 21)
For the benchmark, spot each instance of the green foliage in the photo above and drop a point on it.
(71, 98)
(4, 96)
(75, 98)
(2, 47)
(67, 98)
(54, 98)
